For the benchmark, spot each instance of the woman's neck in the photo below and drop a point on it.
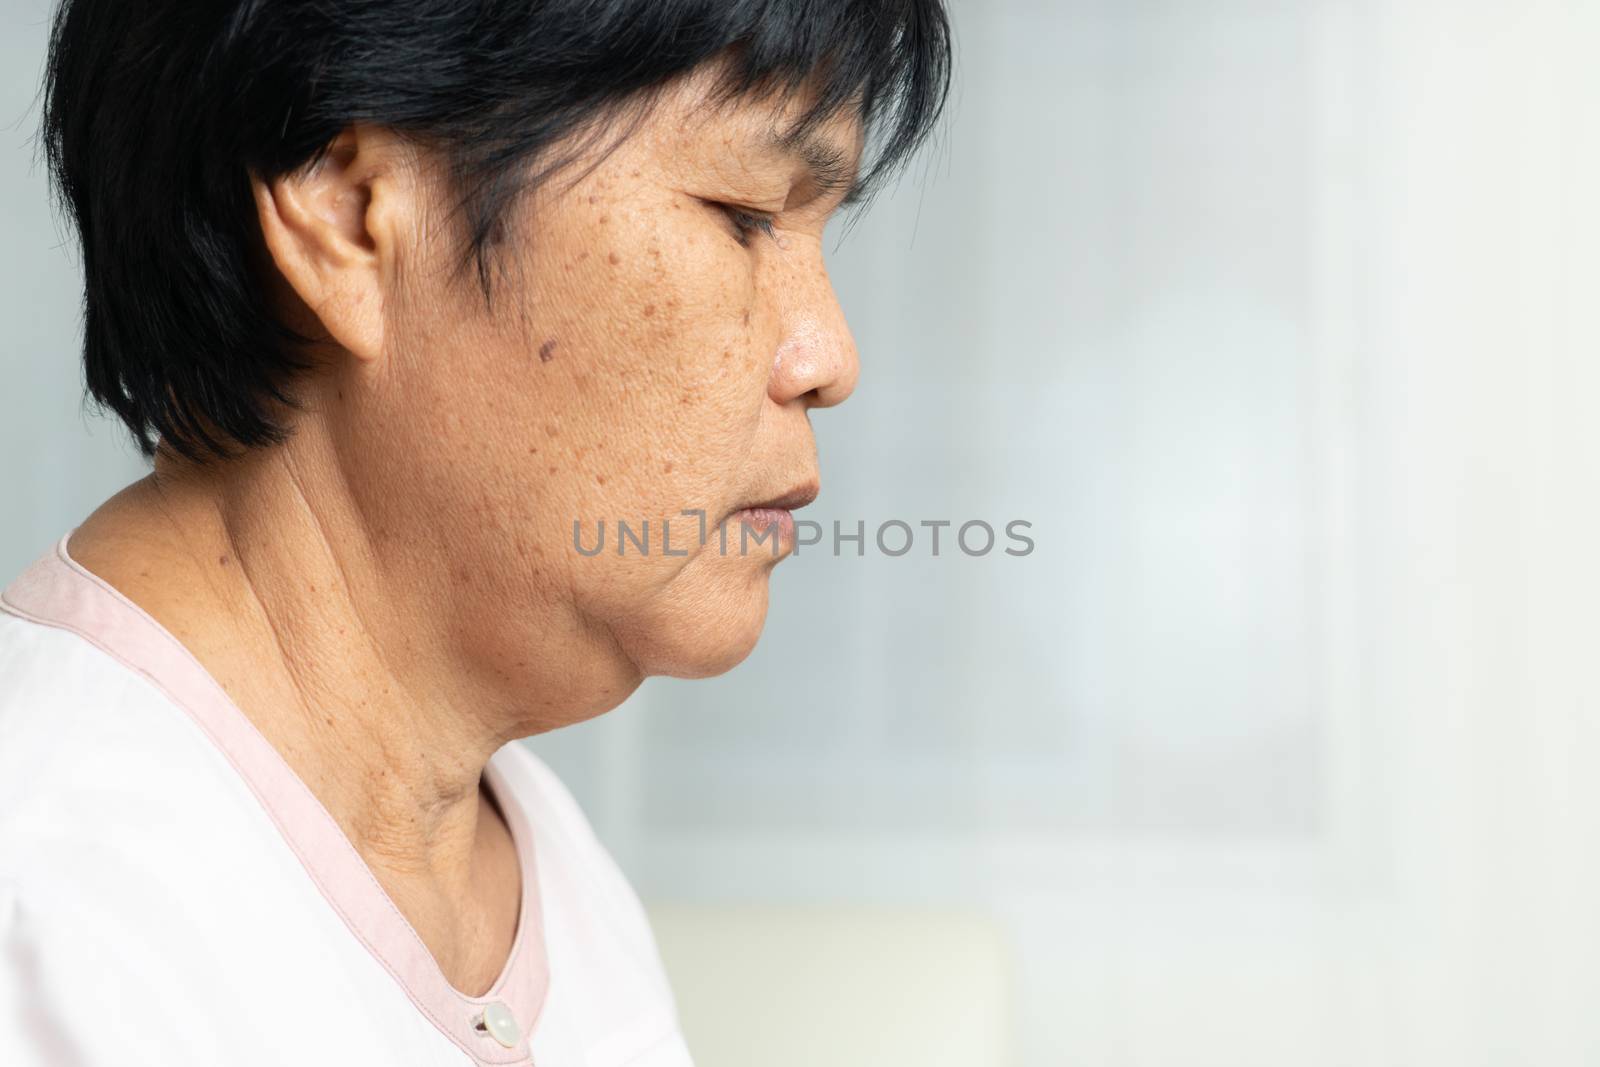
(345, 683)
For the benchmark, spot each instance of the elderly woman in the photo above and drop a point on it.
(397, 295)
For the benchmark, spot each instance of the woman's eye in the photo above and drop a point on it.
(749, 222)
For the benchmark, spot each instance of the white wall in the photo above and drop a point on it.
(1277, 321)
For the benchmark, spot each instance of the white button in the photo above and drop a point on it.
(502, 1026)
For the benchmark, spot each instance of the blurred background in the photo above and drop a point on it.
(1279, 320)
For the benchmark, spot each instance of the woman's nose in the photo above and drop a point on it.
(816, 362)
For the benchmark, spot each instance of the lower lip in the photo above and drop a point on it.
(762, 520)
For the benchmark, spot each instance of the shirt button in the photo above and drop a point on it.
(501, 1024)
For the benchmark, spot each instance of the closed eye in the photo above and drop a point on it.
(748, 222)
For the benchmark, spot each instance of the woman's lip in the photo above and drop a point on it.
(763, 519)
(776, 514)
(798, 497)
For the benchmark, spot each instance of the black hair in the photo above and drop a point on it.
(156, 112)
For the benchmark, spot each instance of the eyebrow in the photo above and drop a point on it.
(830, 166)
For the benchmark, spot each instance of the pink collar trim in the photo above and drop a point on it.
(58, 591)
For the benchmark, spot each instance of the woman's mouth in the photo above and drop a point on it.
(771, 522)
(765, 521)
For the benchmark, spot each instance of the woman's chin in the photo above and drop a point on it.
(700, 639)
(712, 662)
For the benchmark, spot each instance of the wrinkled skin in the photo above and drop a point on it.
(658, 362)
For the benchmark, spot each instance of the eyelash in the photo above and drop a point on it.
(749, 222)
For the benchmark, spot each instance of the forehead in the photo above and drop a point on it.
(689, 117)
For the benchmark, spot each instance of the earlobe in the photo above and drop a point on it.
(320, 228)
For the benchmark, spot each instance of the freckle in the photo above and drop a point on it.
(613, 259)
(222, 560)
(582, 256)
(747, 316)
(594, 200)
(547, 351)
(553, 430)
(600, 479)
(552, 470)
(649, 309)
(666, 468)
(686, 399)
(339, 393)
(604, 219)
(635, 174)
(727, 354)
(533, 451)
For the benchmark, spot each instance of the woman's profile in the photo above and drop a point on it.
(406, 301)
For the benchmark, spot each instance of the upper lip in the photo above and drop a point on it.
(798, 497)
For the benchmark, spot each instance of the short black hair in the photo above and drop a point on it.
(156, 112)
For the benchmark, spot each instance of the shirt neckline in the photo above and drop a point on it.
(58, 591)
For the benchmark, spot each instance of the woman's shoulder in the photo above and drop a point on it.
(105, 782)
(79, 727)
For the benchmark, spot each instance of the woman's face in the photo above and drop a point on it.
(646, 355)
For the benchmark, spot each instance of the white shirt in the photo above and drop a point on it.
(172, 894)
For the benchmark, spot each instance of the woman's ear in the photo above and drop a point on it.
(330, 231)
